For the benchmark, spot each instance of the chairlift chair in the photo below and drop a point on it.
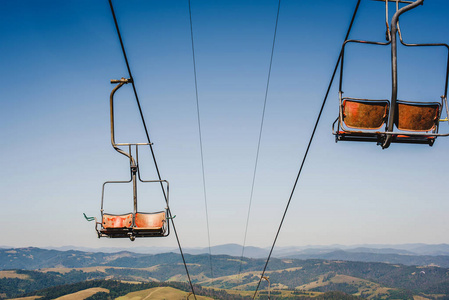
(136, 223)
(386, 122)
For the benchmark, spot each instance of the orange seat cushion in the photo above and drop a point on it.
(150, 220)
(364, 114)
(415, 116)
(117, 221)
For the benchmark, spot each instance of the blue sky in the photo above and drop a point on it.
(57, 60)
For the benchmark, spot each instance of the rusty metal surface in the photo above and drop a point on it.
(150, 220)
(364, 115)
(416, 117)
(117, 221)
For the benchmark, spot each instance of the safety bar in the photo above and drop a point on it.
(430, 45)
(142, 180)
(343, 56)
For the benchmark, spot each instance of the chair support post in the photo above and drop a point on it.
(394, 69)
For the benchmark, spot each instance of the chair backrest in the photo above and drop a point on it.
(117, 221)
(364, 114)
(150, 220)
(416, 116)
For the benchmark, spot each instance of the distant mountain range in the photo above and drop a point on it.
(280, 252)
(410, 254)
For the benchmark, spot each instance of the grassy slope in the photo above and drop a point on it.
(160, 293)
(13, 274)
(26, 298)
(83, 294)
(372, 288)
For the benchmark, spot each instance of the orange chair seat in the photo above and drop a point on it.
(416, 116)
(365, 114)
(153, 221)
(117, 221)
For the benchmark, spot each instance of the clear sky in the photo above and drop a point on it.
(57, 58)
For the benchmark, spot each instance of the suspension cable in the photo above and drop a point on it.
(260, 138)
(307, 150)
(200, 138)
(149, 142)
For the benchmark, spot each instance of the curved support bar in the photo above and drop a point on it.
(394, 68)
(120, 82)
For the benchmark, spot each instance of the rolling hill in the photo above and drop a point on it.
(33, 269)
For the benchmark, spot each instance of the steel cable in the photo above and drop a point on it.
(149, 141)
(200, 137)
(260, 138)
(307, 150)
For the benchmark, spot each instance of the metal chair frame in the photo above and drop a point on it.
(388, 136)
(132, 231)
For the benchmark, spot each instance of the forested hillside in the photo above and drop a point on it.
(369, 280)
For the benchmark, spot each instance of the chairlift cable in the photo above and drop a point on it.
(260, 138)
(149, 141)
(307, 150)
(200, 138)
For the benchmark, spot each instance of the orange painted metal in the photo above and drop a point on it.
(416, 116)
(117, 221)
(150, 220)
(364, 114)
